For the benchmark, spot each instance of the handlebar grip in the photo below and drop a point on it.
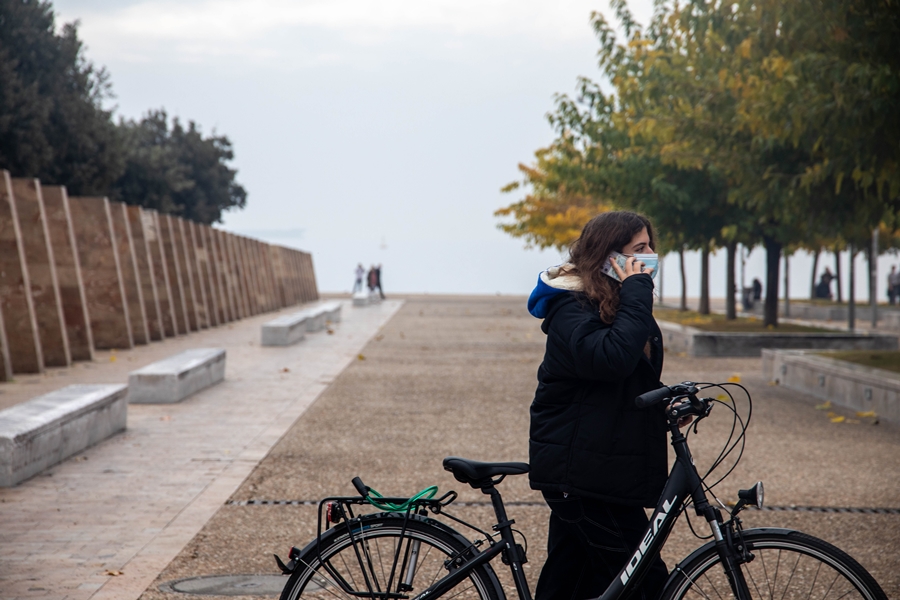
(650, 398)
(360, 487)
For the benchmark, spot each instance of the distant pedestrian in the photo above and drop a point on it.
(893, 285)
(378, 281)
(823, 288)
(360, 272)
(371, 279)
(757, 289)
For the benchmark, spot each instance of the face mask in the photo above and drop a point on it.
(651, 261)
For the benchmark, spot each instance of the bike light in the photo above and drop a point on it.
(754, 495)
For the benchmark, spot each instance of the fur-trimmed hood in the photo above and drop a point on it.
(549, 285)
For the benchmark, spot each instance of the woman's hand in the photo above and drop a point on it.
(632, 267)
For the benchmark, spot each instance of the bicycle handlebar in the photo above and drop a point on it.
(360, 487)
(652, 397)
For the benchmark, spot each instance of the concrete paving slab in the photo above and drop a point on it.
(131, 503)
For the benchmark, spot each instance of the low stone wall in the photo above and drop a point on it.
(696, 342)
(83, 273)
(846, 384)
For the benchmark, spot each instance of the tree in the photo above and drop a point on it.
(177, 170)
(52, 123)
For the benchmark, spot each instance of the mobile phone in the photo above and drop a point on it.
(607, 268)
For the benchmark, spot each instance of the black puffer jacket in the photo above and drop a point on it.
(587, 437)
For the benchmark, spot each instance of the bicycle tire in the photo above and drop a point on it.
(787, 564)
(367, 573)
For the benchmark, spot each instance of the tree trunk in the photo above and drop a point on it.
(837, 272)
(851, 292)
(704, 281)
(773, 261)
(683, 280)
(659, 279)
(787, 286)
(730, 290)
(873, 278)
(812, 284)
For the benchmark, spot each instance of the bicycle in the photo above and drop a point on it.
(404, 553)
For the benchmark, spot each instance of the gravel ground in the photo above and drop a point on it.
(455, 376)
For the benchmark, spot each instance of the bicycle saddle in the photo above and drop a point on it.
(479, 474)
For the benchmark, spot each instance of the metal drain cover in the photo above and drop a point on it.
(228, 585)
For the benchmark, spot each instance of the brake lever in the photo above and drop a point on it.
(709, 405)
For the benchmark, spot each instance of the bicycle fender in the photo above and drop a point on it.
(748, 533)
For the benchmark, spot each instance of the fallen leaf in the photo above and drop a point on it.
(868, 413)
(361, 356)
(837, 419)
(736, 378)
(112, 358)
(285, 370)
(853, 421)
(773, 382)
(329, 331)
(831, 414)
(114, 573)
(402, 337)
(723, 398)
(823, 406)
(165, 418)
(378, 338)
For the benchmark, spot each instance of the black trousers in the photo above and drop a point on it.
(589, 543)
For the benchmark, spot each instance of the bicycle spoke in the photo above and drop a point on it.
(713, 586)
(791, 578)
(815, 578)
(752, 580)
(836, 575)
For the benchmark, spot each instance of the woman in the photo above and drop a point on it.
(597, 459)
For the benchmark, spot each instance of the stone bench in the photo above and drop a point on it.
(44, 431)
(696, 342)
(290, 329)
(853, 386)
(177, 377)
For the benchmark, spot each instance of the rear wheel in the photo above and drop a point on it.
(381, 558)
(787, 565)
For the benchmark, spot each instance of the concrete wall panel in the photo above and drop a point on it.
(6, 373)
(206, 262)
(176, 287)
(41, 272)
(15, 288)
(68, 272)
(102, 273)
(235, 273)
(217, 262)
(197, 258)
(225, 275)
(153, 233)
(134, 294)
(144, 262)
(187, 274)
(249, 275)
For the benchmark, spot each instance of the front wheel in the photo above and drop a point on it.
(386, 563)
(786, 565)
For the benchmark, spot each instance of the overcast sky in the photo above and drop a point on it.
(368, 131)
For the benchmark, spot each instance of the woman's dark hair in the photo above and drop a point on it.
(604, 234)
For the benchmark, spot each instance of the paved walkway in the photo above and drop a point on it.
(104, 523)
